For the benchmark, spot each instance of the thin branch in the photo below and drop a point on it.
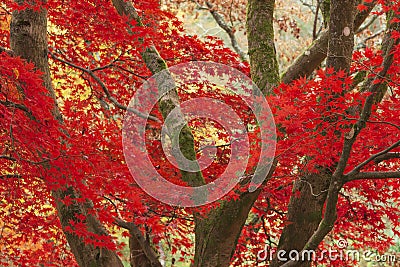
(316, 20)
(8, 51)
(174, 216)
(369, 121)
(374, 175)
(105, 89)
(37, 162)
(20, 107)
(113, 204)
(348, 199)
(131, 72)
(310, 6)
(270, 208)
(8, 176)
(358, 168)
(230, 13)
(264, 226)
(216, 146)
(228, 29)
(385, 122)
(7, 158)
(363, 42)
(373, 35)
(107, 66)
(366, 25)
(6, 11)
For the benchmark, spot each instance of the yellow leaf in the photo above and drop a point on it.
(16, 73)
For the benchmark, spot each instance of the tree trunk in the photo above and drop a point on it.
(341, 34)
(305, 208)
(137, 257)
(218, 231)
(217, 234)
(28, 39)
(304, 214)
(307, 62)
(260, 34)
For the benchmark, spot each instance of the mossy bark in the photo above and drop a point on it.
(28, 38)
(304, 214)
(262, 53)
(169, 98)
(218, 232)
(326, 6)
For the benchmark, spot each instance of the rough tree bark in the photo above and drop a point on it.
(338, 178)
(309, 60)
(262, 53)
(218, 233)
(28, 37)
(304, 214)
(340, 50)
(305, 210)
(341, 34)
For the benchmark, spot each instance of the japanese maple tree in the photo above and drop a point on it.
(68, 71)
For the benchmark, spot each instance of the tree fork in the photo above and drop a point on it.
(308, 61)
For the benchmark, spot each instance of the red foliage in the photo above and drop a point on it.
(85, 150)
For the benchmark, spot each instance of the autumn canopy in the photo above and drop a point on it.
(294, 132)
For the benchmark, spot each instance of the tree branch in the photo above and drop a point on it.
(366, 25)
(169, 99)
(374, 175)
(358, 168)
(20, 107)
(387, 156)
(363, 42)
(135, 232)
(7, 158)
(314, 32)
(105, 89)
(8, 176)
(228, 29)
(307, 62)
(216, 146)
(337, 180)
(8, 51)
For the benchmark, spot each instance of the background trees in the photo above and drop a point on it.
(69, 69)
